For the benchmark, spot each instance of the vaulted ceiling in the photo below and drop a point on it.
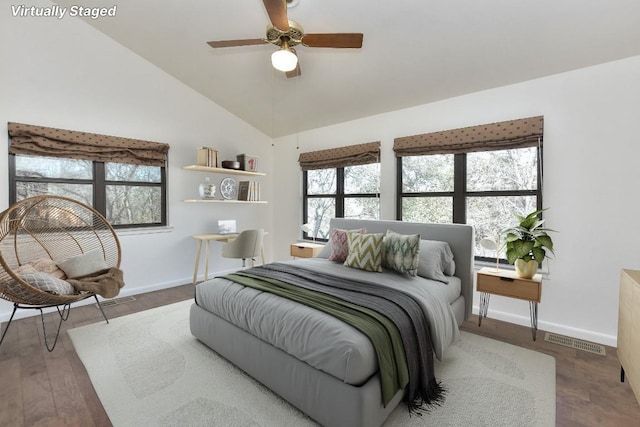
(414, 51)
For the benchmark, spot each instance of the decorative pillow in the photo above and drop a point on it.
(48, 283)
(83, 265)
(400, 252)
(365, 251)
(339, 244)
(49, 266)
(26, 268)
(436, 260)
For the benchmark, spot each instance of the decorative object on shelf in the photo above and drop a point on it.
(247, 162)
(228, 188)
(230, 164)
(207, 190)
(527, 244)
(207, 156)
(492, 245)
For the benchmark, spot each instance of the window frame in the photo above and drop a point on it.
(339, 197)
(460, 194)
(99, 183)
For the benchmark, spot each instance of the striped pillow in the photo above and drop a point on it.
(365, 251)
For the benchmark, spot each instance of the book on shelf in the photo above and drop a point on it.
(207, 156)
(249, 191)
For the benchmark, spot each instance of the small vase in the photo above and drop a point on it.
(207, 190)
(526, 269)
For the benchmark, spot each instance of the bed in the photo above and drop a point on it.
(329, 370)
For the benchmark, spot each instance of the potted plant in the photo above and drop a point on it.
(527, 244)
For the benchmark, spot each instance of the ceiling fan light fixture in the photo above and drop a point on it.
(284, 60)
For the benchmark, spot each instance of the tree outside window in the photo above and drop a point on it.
(126, 194)
(482, 189)
(348, 192)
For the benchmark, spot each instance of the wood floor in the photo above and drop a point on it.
(38, 388)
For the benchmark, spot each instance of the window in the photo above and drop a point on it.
(478, 175)
(345, 192)
(341, 182)
(478, 188)
(127, 195)
(122, 178)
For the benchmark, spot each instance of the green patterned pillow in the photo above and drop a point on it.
(401, 252)
(365, 251)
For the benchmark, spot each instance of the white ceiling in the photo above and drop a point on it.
(414, 51)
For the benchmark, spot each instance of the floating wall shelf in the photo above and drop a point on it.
(208, 169)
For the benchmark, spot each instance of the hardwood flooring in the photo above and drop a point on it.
(38, 388)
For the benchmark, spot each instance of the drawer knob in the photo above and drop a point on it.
(506, 279)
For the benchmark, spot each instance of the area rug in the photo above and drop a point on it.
(148, 369)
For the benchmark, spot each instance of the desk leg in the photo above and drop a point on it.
(206, 261)
(195, 272)
(533, 310)
(484, 306)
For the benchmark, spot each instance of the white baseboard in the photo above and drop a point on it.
(596, 337)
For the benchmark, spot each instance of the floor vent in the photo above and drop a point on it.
(116, 301)
(575, 343)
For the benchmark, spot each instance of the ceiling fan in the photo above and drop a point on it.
(286, 34)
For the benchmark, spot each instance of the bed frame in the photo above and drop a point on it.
(326, 399)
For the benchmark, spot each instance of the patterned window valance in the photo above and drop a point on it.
(494, 136)
(44, 141)
(360, 154)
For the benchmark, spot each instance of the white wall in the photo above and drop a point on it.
(65, 74)
(591, 177)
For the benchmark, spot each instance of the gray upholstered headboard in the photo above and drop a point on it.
(459, 236)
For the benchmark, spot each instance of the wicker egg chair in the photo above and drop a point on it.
(49, 228)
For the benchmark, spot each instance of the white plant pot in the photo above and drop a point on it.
(526, 269)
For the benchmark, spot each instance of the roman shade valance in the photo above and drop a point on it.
(352, 155)
(494, 136)
(44, 141)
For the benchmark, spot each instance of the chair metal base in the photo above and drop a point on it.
(63, 313)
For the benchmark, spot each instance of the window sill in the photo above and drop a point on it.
(122, 232)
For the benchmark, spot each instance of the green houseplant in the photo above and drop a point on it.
(527, 244)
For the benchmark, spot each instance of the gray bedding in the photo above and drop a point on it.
(316, 338)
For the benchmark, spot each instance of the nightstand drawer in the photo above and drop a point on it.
(305, 250)
(507, 286)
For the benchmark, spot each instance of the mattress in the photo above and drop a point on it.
(319, 339)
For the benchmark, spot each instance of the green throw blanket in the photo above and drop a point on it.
(391, 319)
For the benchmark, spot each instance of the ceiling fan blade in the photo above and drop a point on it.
(277, 10)
(232, 43)
(339, 40)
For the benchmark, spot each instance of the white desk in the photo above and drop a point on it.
(207, 238)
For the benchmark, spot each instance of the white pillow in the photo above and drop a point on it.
(48, 283)
(436, 260)
(83, 265)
